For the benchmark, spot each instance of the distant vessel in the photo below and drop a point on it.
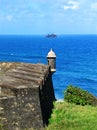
(51, 35)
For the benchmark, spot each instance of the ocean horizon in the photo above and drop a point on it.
(76, 61)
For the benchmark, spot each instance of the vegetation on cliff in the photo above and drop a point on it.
(77, 112)
(69, 116)
(79, 96)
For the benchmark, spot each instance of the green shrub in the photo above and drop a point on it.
(78, 96)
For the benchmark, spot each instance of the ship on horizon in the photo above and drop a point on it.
(53, 35)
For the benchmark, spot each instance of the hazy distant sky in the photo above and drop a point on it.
(48, 16)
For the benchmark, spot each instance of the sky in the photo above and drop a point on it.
(48, 16)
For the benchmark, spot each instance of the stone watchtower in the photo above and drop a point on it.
(51, 57)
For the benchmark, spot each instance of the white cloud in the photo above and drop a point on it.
(9, 18)
(73, 5)
(94, 6)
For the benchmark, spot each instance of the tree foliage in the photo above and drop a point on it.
(79, 96)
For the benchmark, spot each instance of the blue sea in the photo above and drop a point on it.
(76, 61)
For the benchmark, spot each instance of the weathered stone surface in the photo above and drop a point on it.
(26, 95)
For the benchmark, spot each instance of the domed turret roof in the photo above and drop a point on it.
(51, 54)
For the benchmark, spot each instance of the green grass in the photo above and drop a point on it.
(68, 116)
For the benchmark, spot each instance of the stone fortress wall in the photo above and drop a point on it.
(26, 95)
